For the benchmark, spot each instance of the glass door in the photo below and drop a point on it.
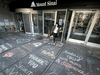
(61, 22)
(35, 23)
(26, 20)
(94, 35)
(80, 25)
(66, 25)
(49, 19)
(18, 19)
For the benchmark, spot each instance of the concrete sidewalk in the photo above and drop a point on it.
(24, 54)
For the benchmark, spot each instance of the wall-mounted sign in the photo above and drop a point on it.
(48, 3)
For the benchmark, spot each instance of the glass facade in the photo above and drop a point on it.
(60, 20)
(81, 25)
(35, 23)
(48, 21)
(77, 25)
(40, 21)
(95, 35)
(26, 23)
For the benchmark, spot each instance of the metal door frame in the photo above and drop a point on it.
(37, 23)
(64, 20)
(48, 11)
(29, 21)
(85, 42)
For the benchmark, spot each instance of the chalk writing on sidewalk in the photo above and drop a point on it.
(73, 56)
(51, 54)
(33, 64)
(37, 44)
(58, 61)
(3, 64)
(12, 71)
(3, 47)
(26, 48)
(22, 51)
(76, 64)
(53, 73)
(8, 54)
(69, 66)
(24, 69)
(9, 45)
(21, 40)
(35, 58)
(90, 62)
(71, 62)
(64, 59)
(95, 50)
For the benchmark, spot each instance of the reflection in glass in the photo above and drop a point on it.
(66, 26)
(60, 20)
(26, 22)
(48, 21)
(34, 21)
(40, 21)
(81, 25)
(95, 35)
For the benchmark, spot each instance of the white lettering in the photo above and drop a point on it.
(58, 60)
(13, 73)
(33, 64)
(3, 47)
(9, 44)
(49, 3)
(33, 57)
(49, 54)
(73, 56)
(41, 4)
(24, 69)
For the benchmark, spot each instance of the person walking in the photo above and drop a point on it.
(54, 32)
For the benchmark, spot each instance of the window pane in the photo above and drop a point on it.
(81, 24)
(95, 35)
(48, 21)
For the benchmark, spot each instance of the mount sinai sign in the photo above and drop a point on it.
(48, 3)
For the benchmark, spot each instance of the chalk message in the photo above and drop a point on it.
(51, 54)
(35, 58)
(9, 45)
(71, 61)
(69, 66)
(33, 64)
(73, 56)
(37, 44)
(13, 71)
(24, 69)
(21, 40)
(3, 47)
